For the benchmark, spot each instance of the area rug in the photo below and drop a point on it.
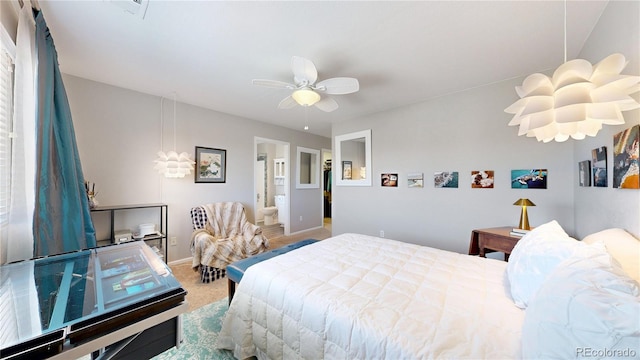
(200, 329)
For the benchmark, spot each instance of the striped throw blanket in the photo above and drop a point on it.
(227, 237)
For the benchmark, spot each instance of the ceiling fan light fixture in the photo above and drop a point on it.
(306, 91)
(305, 96)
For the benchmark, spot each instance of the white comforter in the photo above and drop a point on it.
(361, 297)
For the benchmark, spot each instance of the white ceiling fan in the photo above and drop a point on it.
(305, 90)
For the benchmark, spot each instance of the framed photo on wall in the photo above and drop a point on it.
(211, 165)
(482, 179)
(346, 170)
(445, 179)
(415, 180)
(599, 166)
(389, 180)
(529, 179)
(584, 173)
(625, 158)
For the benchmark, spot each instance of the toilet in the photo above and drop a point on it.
(270, 215)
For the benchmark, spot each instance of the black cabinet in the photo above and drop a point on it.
(157, 240)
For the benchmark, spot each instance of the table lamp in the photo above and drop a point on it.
(524, 219)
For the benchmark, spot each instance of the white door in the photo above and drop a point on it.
(261, 177)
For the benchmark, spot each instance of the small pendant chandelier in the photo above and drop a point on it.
(172, 164)
(576, 101)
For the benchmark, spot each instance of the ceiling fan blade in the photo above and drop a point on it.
(287, 103)
(327, 104)
(273, 84)
(338, 86)
(303, 70)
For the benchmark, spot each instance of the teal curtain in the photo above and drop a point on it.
(62, 220)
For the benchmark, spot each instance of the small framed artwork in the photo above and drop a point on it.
(211, 165)
(599, 169)
(482, 179)
(445, 179)
(389, 180)
(625, 158)
(415, 180)
(529, 179)
(584, 173)
(346, 170)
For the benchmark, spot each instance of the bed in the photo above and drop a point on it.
(357, 296)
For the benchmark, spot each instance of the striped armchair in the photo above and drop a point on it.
(222, 235)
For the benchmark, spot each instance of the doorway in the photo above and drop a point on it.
(326, 188)
(268, 184)
(261, 185)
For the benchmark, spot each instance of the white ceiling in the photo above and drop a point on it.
(207, 52)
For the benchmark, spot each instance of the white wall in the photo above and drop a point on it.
(9, 17)
(468, 131)
(599, 208)
(118, 135)
(462, 132)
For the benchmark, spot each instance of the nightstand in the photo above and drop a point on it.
(492, 239)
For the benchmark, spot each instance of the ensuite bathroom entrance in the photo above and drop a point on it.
(272, 186)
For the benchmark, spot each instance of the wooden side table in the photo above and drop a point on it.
(492, 239)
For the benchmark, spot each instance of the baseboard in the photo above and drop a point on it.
(305, 230)
(181, 261)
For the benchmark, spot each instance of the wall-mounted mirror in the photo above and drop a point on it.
(352, 165)
(308, 172)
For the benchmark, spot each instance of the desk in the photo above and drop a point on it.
(111, 300)
(492, 239)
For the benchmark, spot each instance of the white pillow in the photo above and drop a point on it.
(622, 246)
(534, 257)
(587, 308)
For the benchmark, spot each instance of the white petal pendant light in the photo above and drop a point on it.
(172, 164)
(576, 101)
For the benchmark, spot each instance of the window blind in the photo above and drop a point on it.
(6, 114)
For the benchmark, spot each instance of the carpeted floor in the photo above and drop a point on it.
(200, 329)
(200, 294)
(208, 303)
(272, 231)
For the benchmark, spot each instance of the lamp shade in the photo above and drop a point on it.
(172, 165)
(524, 202)
(576, 101)
(305, 96)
